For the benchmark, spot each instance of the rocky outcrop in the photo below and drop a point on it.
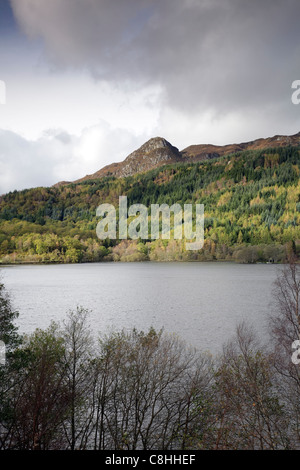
(154, 153)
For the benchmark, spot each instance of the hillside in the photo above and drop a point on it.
(202, 152)
(251, 200)
(158, 152)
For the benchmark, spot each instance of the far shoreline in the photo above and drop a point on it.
(54, 263)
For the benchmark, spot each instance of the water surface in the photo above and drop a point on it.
(200, 302)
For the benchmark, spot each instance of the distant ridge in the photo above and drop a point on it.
(158, 151)
(203, 152)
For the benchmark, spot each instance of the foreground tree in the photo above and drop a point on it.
(39, 397)
(8, 329)
(10, 340)
(250, 414)
(79, 378)
(153, 387)
(284, 327)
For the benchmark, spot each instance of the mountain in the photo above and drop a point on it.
(251, 203)
(154, 153)
(158, 152)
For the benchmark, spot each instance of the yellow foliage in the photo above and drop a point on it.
(256, 201)
(224, 199)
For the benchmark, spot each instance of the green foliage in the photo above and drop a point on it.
(8, 330)
(251, 198)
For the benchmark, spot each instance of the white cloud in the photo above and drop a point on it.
(39, 99)
(58, 155)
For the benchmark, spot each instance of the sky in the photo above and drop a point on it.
(83, 83)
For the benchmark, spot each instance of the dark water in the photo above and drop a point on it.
(200, 302)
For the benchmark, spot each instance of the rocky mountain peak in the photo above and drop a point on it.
(152, 154)
(155, 143)
(155, 152)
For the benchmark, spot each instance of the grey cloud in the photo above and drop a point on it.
(58, 134)
(216, 54)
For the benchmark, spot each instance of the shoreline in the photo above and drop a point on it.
(47, 263)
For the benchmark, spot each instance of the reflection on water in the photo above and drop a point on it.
(200, 302)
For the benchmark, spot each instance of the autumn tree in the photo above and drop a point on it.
(39, 398)
(250, 414)
(10, 340)
(284, 327)
(154, 390)
(78, 355)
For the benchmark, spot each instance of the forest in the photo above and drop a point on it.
(69, 388)
(251, 207)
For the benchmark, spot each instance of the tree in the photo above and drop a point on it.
(8, 329)
(154, 390)
(78, 377)
(39, 398)
(284, 326)
(10, 339)
(249, 412)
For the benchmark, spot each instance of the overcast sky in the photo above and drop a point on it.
(89, 81)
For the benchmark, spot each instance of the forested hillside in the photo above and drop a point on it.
(251, 202)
